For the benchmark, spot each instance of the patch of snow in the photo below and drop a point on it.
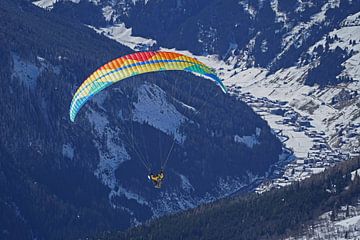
(354, 173)
(154, 109)
(47, 4)
(258, 132)
(349, 222)
(303, 5)
(98, 121)
(352, 20)
(245, 58)
(111, 152)
(264, 46)
(123, 35)
(111, 156)
(186, 106)
(109, 13)
(317, 170)
(185, 183)
(280, 16)
(248, 8)
(249, 141)
(68, 151)
(135, 1)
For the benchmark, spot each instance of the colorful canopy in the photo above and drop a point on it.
(135, 64)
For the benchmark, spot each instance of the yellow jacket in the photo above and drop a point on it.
(157, 177)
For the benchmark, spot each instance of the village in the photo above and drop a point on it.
(307, 151)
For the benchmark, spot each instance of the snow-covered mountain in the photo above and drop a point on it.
(293, 62)
(88, 176)
(278, 51)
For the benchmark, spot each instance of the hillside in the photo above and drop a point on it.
(294, 62)
(66, 180)
(43, 195)
(292, 111)
(272, 215)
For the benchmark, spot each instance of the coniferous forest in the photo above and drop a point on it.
(271, 215)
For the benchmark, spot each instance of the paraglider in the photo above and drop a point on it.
(135, 64)
(157, 179)
(132, 65)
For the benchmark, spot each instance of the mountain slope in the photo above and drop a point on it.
(292, 43)
(294, 62)
(38, 187)
(272, 34)
(272, 215)
(64, 180)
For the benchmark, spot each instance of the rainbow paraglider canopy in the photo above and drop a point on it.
(135, 64)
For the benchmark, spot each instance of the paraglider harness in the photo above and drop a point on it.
(157, 178)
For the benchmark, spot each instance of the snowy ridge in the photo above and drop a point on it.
(352, 20)
(299, 33)
(346, 37)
